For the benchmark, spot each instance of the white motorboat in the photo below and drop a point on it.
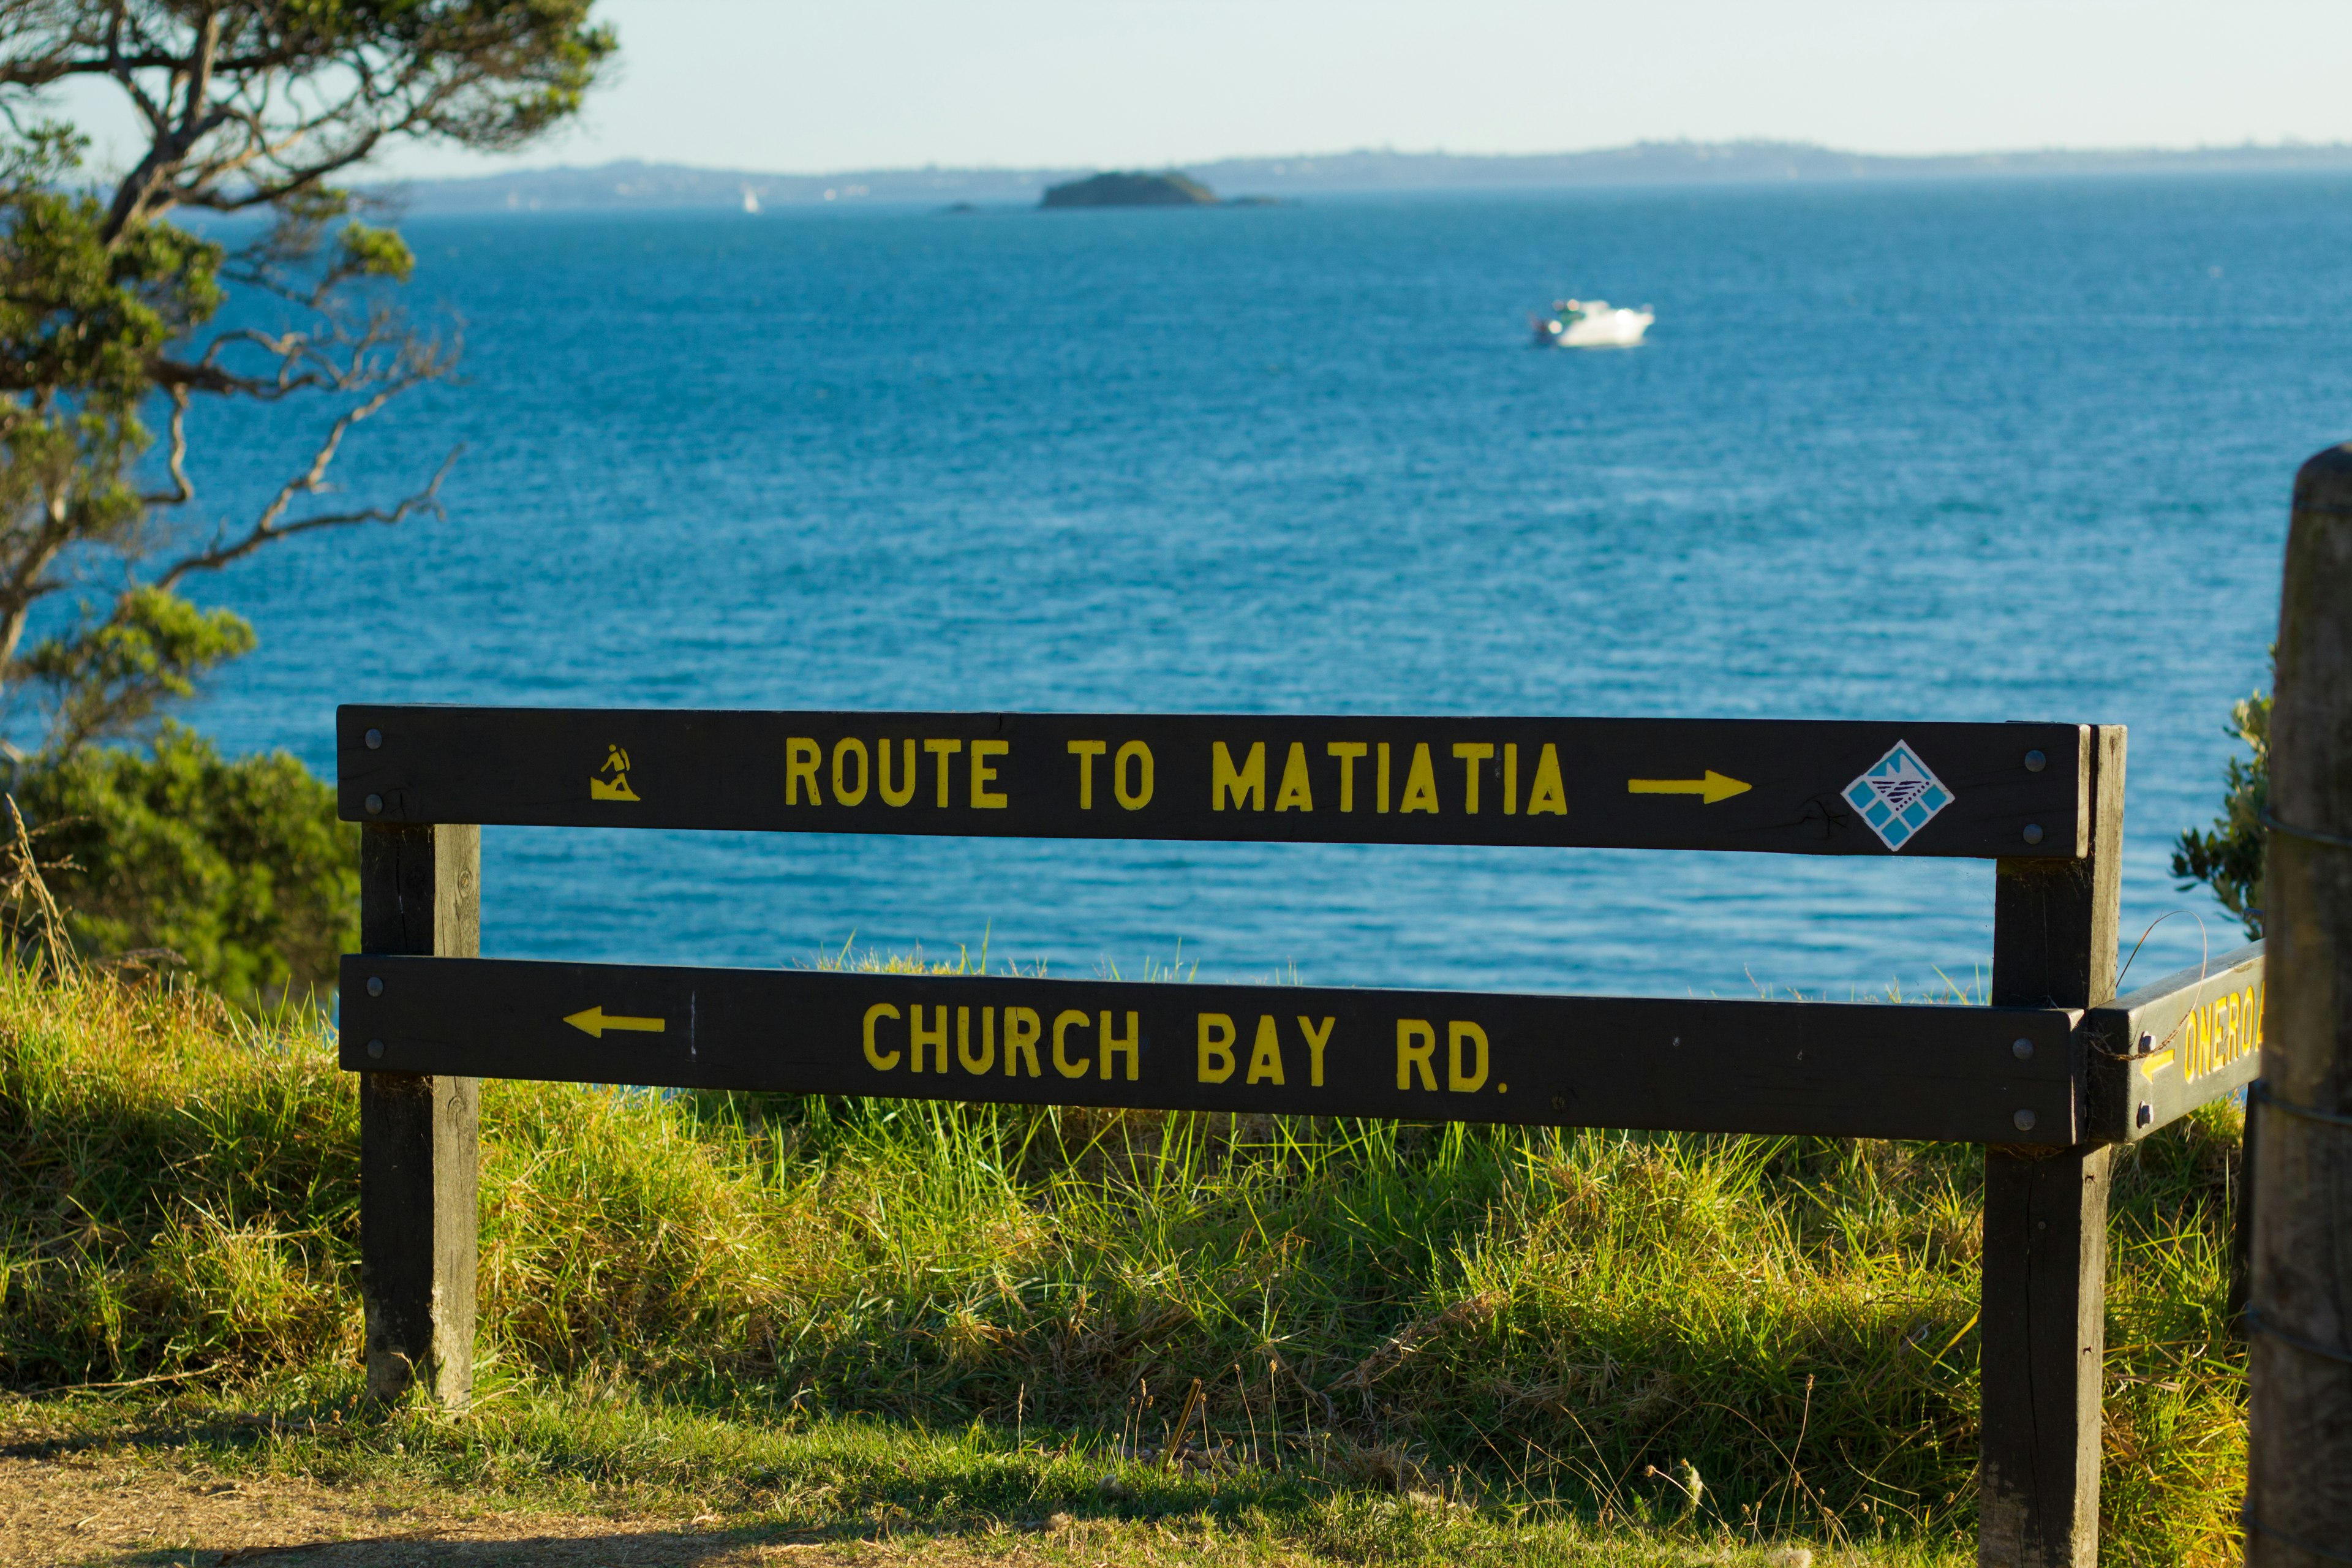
(1591, 324)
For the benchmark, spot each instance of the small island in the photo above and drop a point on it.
(1131, 190)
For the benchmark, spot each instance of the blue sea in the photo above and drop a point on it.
(1961, 451)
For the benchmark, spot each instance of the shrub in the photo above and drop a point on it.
(2229, 859)
(236, 867)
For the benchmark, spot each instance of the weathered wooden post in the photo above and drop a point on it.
(420, 895)
(2299, 1321)
(2042, 1323)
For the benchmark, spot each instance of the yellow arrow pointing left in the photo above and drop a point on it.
(1709, 790)
(595, 1021)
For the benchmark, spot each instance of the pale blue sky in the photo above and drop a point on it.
(736, 84)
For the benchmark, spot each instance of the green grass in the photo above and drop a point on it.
(852, 1315)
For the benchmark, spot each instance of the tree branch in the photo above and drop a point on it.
(268, 528)
(181, 491)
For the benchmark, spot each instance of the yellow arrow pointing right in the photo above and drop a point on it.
(595, 1021)
(1710, 789)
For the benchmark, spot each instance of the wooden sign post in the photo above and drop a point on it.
(2042, 1317)
(2299, 1318)
(2046, 1078)
(420, 894)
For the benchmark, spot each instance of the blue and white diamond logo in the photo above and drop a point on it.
(1897, 795)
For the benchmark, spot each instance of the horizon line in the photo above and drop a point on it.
(2251, 144)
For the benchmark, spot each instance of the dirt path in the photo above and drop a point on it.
(124, 1512)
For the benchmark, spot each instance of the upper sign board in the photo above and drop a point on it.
(1980, 791)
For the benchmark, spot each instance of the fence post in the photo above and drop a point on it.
(2043, 1312)
(2299, 1318)
(420, 894)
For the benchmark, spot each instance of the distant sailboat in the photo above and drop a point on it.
(751, 200)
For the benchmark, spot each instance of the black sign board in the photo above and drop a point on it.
(2006, 1075)
(1985, 791)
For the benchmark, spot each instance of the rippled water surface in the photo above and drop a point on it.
(1967, 452)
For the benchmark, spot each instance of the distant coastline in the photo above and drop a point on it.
(632, 184)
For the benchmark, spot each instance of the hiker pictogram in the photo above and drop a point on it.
(617, 764)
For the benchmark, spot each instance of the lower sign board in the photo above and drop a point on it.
(2157, 1054)
(1990, 1075)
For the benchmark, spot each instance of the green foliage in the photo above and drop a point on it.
(744, 1299)
(84, 312)
(2228, 858)
(81, 321)
(110, 678)
(236, 867)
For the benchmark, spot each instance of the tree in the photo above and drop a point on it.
(2229, 859)
(107, 306)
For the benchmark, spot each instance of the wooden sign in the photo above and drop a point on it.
(1986, 791)
(1980, 1073)
(2180, 1042)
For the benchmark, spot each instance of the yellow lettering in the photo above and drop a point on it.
(1112, 1044)
(1315, 1043)
(1347, 751)
(874, 1055)
(918, 1037)
(1411, 1057)
(1420, 783)
(1510, 778)
(986, 1059)
(1457, 1080)
(1548, 796)
(1225, 783)
(1087, 752)
(905, 791)
(1265, 1056)
(1140, 796)
(1022, 1029)
(1062, 1024)
(2257, 994)
(1216, 1048)
(982, 797)
(803, 757)
(1472, 754)
(1380, 781)
(944, 750)
(1294, 795)
(842, 752)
